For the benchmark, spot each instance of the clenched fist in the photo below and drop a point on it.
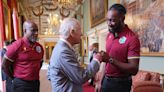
(105, 56)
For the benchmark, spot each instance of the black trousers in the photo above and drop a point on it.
(20, 85)
(116, 84)
(9, 85)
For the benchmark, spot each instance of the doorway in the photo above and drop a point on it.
(48, 50)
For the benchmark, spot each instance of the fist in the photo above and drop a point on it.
(105, 56)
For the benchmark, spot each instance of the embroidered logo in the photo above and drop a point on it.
(122, 40)
(38, 49)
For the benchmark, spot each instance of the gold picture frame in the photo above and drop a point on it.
(7, 20)
(98, 10)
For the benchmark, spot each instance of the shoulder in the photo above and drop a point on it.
(66, 51)
(133, 40)
(38, 44)
(129, 32)
(60, 49)
(131, 35)
(39, 47)
(16, 44)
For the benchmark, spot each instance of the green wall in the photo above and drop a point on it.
(86, 11)
(155, 64)
(86, 16)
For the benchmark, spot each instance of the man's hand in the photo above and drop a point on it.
(7, 67)
(105, 56)
(98, 87)
(99, 77)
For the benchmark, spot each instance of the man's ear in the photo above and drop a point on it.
(72, 32)
(24, 31)
(123, 18)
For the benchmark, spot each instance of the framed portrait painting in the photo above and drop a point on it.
(98, 10)
(145, 18)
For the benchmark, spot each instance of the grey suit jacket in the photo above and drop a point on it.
(64, 71)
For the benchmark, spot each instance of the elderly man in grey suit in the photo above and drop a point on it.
(64, 71)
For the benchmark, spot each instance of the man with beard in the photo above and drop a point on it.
(123, 48)
(23, 59)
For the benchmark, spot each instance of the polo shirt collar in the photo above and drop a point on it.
(122, 31)
(67, 43)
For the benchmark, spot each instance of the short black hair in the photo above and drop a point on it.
(120, 8)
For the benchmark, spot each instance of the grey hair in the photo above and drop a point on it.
(67, 25)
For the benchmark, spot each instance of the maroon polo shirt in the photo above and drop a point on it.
(126, 46)
(26, 59)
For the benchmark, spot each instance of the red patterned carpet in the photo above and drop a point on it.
(87, 88)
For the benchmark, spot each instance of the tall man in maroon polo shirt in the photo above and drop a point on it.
(24, 56)
(123, 48)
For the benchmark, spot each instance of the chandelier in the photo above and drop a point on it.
(54, 23)
(53, 19)
(64, 7)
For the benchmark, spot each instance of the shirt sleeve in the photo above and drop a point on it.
(74, 71)
(134, 48)
(12, 50)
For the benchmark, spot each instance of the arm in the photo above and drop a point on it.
(7, 67)
(10, 57)
(130, 67)
(99, 77)
(74, 71)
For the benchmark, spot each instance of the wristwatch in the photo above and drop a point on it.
(111, 60)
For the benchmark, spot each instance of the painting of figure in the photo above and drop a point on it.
(145, 17)
(98, 9)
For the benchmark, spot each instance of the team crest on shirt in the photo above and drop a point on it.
(38, 49)
(122, 40)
